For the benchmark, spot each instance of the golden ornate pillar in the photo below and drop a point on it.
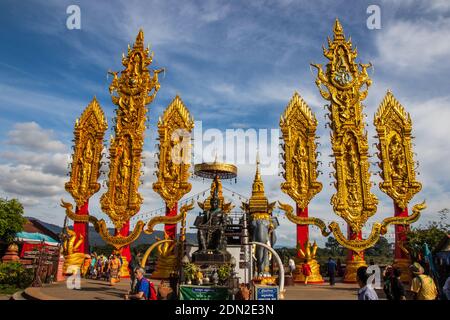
(397, 166)
(85, 169)
(298, 126)
(174, 130)
(345, 85)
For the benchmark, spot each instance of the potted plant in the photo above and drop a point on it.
(190, 270)
(224, 272)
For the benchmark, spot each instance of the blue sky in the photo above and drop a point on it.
(235, 64)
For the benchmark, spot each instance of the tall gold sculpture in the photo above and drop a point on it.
(88, 137)
(135, 89)
(89, 132)
(174, 130)
(394, 126)
(345, 85)
(298, 126)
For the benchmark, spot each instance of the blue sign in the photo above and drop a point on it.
(266, 292)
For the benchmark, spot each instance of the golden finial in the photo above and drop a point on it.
(338, 30)
(139, 40)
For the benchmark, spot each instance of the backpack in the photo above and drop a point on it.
(151, 286)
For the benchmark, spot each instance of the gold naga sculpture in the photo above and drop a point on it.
(72, 258)
(172, 184)
(131, 92)
(344, 83)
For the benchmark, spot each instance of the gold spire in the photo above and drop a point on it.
(258, 202)
(139, 43)
(338, 30)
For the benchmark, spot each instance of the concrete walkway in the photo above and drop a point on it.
(90, 290)
(340, 291)
(101, 290)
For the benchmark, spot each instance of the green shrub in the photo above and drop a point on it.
(14, 274)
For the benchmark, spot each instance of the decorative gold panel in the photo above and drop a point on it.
(174, 130)
(298, 127)
(135, 88)
(345, 85)
(394, 128)
(88, 133)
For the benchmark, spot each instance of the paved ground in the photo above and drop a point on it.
(90, 290)
(100, 290)
(340, 291)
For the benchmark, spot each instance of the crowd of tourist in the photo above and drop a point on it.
(101, 267)
(422, 287)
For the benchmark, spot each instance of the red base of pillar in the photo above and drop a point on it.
(171, 229)
(82, 228)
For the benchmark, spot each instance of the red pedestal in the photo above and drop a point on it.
(400, 233)
(125, 231)
(302, 230)
(171, 229)
(354, 260)
(352, 255)
(82, 228)
(402, 260)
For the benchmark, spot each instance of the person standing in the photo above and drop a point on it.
(397, 288)
(366, 292)
(387, 285)
(306, 270)
(446, 288)
(114, 268)
(291, 265)
(331, 269)
(422, 286)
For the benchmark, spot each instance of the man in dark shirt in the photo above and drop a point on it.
(397, 288)
(331, 267)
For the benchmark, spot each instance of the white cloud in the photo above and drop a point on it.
(31, 136)
(414, 45)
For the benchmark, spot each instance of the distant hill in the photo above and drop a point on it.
(96, 240)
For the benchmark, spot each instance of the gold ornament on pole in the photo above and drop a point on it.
(345, 85)
(394, 128)
(135, 89)
(174, 130)
(298, 126)
(397, 166)
(89, 132)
